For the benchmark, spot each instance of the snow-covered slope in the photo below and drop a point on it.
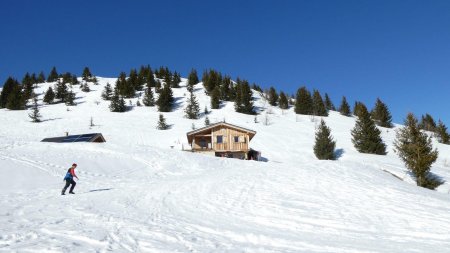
(138, 192)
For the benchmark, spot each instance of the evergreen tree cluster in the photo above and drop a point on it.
(439, 130)
(222, 88)
(308, 104)
(173, 80)
(12, 96)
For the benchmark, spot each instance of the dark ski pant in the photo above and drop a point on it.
(69, 182)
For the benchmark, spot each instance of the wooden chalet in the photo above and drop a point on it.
(221, 139)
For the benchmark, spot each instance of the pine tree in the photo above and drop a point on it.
(273, 96)
(151, 82)
(318, 105)
(85, 88)
(366, 136)
(35, 116)
(415, 149)
(162, 125)
(283, 103)
(8, 87)
(226, 89)
(61, 91)
(165, 99)
(192, 80)
(149, 99)
(441, 133)
(359, 106)
(86, 76)
(211, 79)
(192, 109)
(158, 86)
(117, 102)
(324, 145)
(215, 98)
(53, 76)
(49, 96)
(328, 104)
(16, 99)
(206, 112)
(207, 123)
(27, 84)
(427, 123)
(74, 80)
(303, 102)
(176, 79)
(381, 114)
(41, 77)
(107, 92)
(70, 98)
(244, 101)
(344, 109)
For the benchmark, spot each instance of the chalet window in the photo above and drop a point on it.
(236, 138)
(219, 138)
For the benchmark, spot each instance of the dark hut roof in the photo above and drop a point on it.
(190, 135)
(94, 137)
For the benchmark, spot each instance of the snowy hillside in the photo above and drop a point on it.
(139, 192)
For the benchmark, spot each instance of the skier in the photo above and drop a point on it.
(69, 180)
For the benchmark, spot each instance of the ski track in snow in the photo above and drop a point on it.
(136, 194)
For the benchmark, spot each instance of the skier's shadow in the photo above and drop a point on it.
(99, 190)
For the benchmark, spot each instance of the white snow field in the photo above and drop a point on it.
(139, 192)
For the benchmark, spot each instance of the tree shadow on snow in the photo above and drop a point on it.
(339, 153)
(99, 190)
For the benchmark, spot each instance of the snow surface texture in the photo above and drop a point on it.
(138, 192)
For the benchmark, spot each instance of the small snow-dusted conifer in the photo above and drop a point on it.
(283, 103)
(149, 99)
(107, 92)
(358, 108)
(442, 134)
(117, 102)
(70, 98)
(273, 96)
(366, 136)
(415, 149)
(303, 102)
(49, 96)
(324, 145)
(35, 115)
(85, 88)
(427, 123)
(41, 77)
(318, 104)
(162, 125)
(192, 80)
(207, 123)
(344, 109)
(328, 103)
(192, 109)
(381, 114)
(215, 98)
(53, 76)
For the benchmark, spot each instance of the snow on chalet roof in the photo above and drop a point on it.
(94, 137)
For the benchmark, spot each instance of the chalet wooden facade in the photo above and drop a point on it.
(221, 139)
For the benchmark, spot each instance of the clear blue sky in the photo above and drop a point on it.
(396, 50)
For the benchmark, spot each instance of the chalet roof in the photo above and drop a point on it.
(191, 134)
(93, 137)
